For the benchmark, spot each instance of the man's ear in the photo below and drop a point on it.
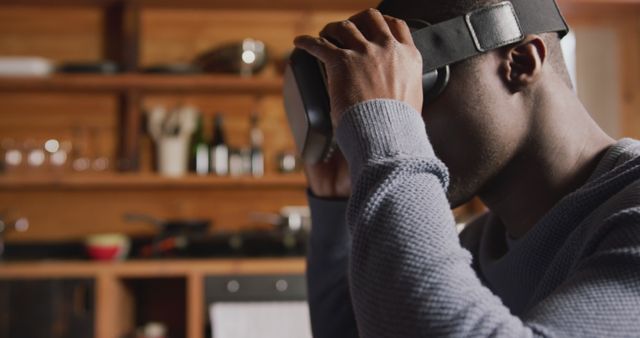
(523, 62)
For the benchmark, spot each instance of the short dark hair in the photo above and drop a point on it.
(435, 11)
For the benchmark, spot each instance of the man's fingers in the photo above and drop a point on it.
(399, 29)
(320, 47)
(345, 34)
(373, 26)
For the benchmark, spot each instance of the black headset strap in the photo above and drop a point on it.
(486, 29)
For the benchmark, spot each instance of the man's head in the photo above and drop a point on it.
(435, 11)
(483, 119)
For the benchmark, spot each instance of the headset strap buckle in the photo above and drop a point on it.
(494, 26)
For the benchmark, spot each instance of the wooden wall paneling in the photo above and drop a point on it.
(170, 36)
(43, 110)
(56, 215)
(60, 34)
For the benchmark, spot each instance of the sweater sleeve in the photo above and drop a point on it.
(409, 275)
(328, 288)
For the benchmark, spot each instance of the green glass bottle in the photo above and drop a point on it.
(199, 152)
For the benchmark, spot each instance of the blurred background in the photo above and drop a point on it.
(148, 181)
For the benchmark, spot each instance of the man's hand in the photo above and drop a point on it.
(370, 56)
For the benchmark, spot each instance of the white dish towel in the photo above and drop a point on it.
(260, 319)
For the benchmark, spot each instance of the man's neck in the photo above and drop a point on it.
(563, 149)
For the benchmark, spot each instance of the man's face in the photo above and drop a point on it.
(474, 127)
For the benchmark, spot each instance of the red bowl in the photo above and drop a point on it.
(107, 247)
(104, 253)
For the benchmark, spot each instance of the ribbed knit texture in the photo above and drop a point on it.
(577, 273)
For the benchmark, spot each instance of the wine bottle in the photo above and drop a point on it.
(257, 155)
(199, 150)
(219, 148)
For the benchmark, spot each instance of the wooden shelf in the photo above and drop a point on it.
(143, 83)
(138, 181)
(152, 268)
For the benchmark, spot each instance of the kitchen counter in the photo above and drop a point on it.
(151, 268)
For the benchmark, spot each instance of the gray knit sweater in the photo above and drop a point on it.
(576, 273)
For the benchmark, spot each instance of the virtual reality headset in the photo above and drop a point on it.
(442, 44)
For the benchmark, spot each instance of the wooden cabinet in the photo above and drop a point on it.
(129, 294)
(47, 308)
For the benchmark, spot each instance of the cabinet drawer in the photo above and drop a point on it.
(255, 288)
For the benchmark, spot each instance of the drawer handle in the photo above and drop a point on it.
(233, 286)
(282, 285)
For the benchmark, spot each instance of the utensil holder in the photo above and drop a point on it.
(173, 156)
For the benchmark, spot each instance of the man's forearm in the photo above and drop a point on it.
(409, 275)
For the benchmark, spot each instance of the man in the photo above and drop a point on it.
(557, 255)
